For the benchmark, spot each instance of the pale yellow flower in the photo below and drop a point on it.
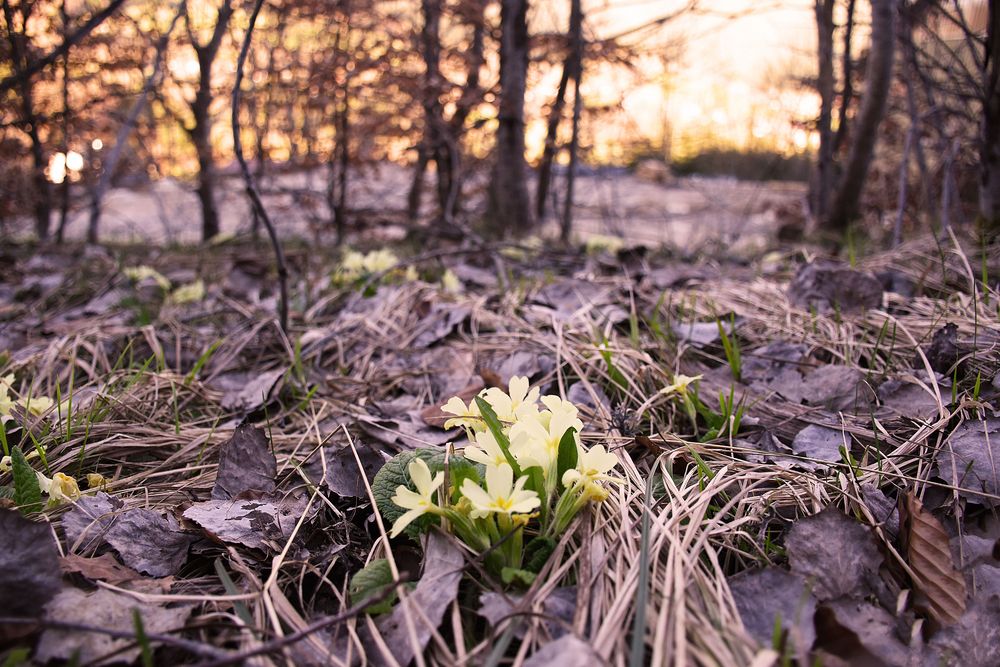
(535, 442)
(190, 293)
(36, 405)
(465, 415)
(450, 282)
(96, 480)
(519, 402)
(6, 402)
(61, 488)
(501, 496)
(417, 502)
(140, 273)
(487, 452)
(592, 466)
(680, 385)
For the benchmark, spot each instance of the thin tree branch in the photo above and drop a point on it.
(251, 186)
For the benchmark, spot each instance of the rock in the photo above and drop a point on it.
(829, 286)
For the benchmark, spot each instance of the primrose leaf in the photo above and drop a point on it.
(27, 492)
(512, 575)
(371, 581)
(496, 428)
(396, 472)
(568, 454)
(537, 553)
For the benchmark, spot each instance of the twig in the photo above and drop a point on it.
(251, 186)
(195, 648)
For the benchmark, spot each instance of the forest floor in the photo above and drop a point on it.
(831, 501)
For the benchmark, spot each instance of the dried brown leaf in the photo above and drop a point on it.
(246, 463)
(929, 556)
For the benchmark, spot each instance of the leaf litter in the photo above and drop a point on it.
(773, 525)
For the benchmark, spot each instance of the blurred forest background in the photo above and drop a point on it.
(361, 113)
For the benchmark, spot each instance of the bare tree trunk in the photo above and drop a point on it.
(114, 154)
(989, 185)
(567, 218)
(201, 131)
(877, 79)
(824, 176)
(847, 92)
(30, 121)
(64, 191)
(570, 71)
(509, 202)
(417, 185)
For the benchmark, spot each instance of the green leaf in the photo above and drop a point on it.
(537, 553)
(512, 575)
(496, 428)
(27, 492)
(568, 453)
(369, 582)
(396, 472)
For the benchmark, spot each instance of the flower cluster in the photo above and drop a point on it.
(35, 406)
(531, 475)
(355, 266)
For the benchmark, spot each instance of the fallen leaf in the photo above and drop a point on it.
(29, 565)
(262, 524)
(820, 443)
(87, 524)
(943, 352)
(828, 286)
(436, 590)
(860, 633)
(558, 609)
(765, 596)
(149, 542)
(246, 463)
(341, 474)
(246, 392)
(836, 388)
(908, 399)
(973, 641)
(567, 651)
(929, 556)
(833, 553)
(440, 322)
(970, 460)
(102, 609)
(100, 568)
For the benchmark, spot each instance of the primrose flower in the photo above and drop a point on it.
(6, 402)
(417, 502)
(502, 494)
(190, 293)
(488, 452)
(380, 260)
(536, 441)
(36, 405)
(518, 403)
(465, 415)
(60, 488)
(592, 466)
(450, 282)
(96, 480)
(680, 385)
(139, 273)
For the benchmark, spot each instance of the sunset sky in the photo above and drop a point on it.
(724, 81)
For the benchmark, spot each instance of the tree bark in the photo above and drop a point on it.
(201, 132)
(877, 80)
(824, 176)
(22, 76)
(571, 69)
(989, 185)
(847, 91)
(509, 204)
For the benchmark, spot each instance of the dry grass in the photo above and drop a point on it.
(150, 426)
